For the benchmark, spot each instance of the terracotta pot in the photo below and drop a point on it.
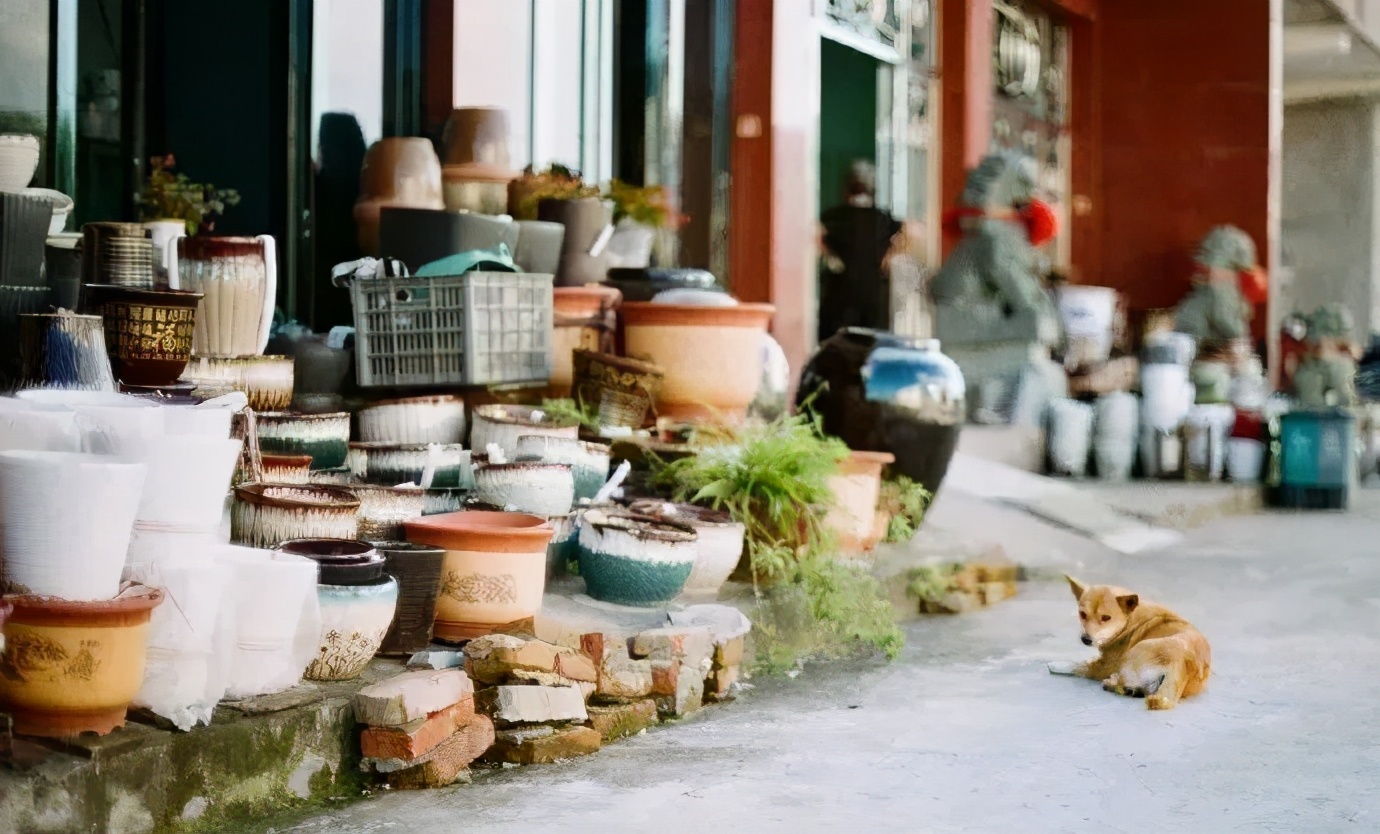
(74, 667)
(857, 488)
(585, 319)
(502, 425)
(477, 136)
(621, 391)
(326, 437)
(266, 515)
(287, 469)
(417, 567)
(720, 547)
(238, 277)
(434, 419)
(635, 560)
(147, 332)
(399, 171)
(494, 571)
(710, 355)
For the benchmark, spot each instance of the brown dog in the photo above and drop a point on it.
(1145, 651)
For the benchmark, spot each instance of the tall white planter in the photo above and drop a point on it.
(25, 426)
(65, 522)
(278, 620)
(188, 479)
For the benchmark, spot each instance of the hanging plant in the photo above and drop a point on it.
(172, 196)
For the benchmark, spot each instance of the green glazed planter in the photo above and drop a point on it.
(634, 560)
(325, 437)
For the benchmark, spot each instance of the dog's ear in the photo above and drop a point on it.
(1128, 603)
(1077, 586)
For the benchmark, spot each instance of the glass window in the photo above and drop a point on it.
(493, 64)
(557, 63)
(347, 67)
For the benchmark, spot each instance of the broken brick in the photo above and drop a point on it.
(449, 760)
(532, 704)
(410, 696)
(530, 748)
(690, 643)
(494, 659)
(688, 697)
(719, 685)
(620, 677)
(730, 652)
(623, 720)
(413, 740)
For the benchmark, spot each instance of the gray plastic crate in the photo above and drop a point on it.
(480, 328)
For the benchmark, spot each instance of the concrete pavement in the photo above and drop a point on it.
(968, 732)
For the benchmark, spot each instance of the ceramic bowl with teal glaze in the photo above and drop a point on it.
(635, 560)
(588, 462)
(326, 437)
(390, 464)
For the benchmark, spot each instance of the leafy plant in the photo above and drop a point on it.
(648, 205)
(569, 411)
(170, 196)
(905, 502)
(555, 183)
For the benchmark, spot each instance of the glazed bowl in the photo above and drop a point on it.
(635, 560)
(383, 509)
(502, 425)
(266, 380)
(147, 332)
(544, 489)
(391, 464)
(414, 420)
(326, 437)
(588, 462)
(266, 515)
(721, 541)
(18, 160)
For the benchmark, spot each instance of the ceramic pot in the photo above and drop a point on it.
(418, 236)
(710, 355)
(857, 488)
(585, 319)
(318, 368)
(414, 420)
(635, 560)
(441, 501)
(210, 418)
(585, 220)
(354, 620)
(18, 160)
(326, 437)
(564, 550)
(383, 509)
(14, 302)
(646, 284)
(65, 522)
(266, 515)
(631, 245)
(494, 571)
(338, 561)
(286, 469)
(238, 277)
(621, 391)
(476, 136)
(401, 171)
(343, 476)
(1070, 437)
(880, 392)
(720, 546)
(539, 246)
(59, 204)
(277, 619)
(97, 253)
(110, 424)
(148, 332)
(23, 230)
(1115, 429)
(266, 380)
(467, 188)
(538, 488)
(417, 568)
(164, 234)
(588, 462)
(73, 667)
(62, 264)
(391, 464)
(63, 350)
(502, 425)
(188, 479)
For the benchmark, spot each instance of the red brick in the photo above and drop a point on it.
(665, 674)
(414, 740)
(525, 748)
(494, 659)
(410, 696)
(450, 759)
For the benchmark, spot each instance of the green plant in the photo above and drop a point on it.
(905, 502)
(555, 183)
(648, 205)
(170, 196)
(569, 411)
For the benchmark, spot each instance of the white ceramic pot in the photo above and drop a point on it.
(212, 418)
(354, 620)
(188, 479)
(383, 509)
(266, 515)
(415, 420)
(446, 466)
(24, 426)
(542, 489)
(720, 545)
(18, 160)
(277, 616)
(1245, 459)
(266, 380)
(65, 522)
(1168, 394)
(61, 203)
(1116, 427)
(165, 234)
(1070, 437)
(588, 462)
(502, 425)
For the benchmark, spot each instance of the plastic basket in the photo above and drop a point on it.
(480, 328)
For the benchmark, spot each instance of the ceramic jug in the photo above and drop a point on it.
(238, 277)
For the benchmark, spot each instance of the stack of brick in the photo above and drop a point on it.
(728, 629)
(421, 729)
(959, 588)
(535, 693)
(622, 704)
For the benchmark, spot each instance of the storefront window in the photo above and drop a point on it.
(346, 70)
(24, 70)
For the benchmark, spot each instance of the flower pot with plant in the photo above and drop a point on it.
(639, 213)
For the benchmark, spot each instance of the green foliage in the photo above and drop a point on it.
(931, 583)
(555, 183)
(568, 411)
(646, 205)
(169, 196)
(905, 502)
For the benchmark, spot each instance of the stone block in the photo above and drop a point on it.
(665, 673)
(415, 739)
(532, 704)
(687, 697)
(410, 696)
(620, 677)
(623, 720)
(730, 653)
(495, 658)
(436, 660)
(689, 643)
(449, 760)
(527, 749)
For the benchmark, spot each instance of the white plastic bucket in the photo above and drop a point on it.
(1070, 437)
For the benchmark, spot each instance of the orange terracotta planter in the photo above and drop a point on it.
(74, 667)
(710, 355)
(857, 489)
(399, 171)
(494, 571)
(584, 321)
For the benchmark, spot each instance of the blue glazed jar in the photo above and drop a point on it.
(881, 392)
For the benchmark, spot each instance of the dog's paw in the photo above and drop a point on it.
(1062, 667)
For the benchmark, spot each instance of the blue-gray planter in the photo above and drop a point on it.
(634, 560)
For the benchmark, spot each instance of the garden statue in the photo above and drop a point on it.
(992, 313)
(1327, 377)
(1216, 313)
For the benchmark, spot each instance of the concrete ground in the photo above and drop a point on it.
(968, 732)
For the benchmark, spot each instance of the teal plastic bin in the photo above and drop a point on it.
(1317, 460)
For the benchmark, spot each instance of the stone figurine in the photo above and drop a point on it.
(1215, 313)
(1327, 377)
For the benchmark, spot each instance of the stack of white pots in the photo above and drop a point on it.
(277, 619)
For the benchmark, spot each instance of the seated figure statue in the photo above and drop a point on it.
(991, 311)
(1328, 376)
(1215, 312)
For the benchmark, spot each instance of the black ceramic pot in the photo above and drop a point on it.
(340, 561)
(14, 302)
(880, 392)
(417, 567)
(644, 284)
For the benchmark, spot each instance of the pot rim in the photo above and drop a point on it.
(589, 447)
(430, 399)
(383, 446)
(860, 462)
(502, 413)
(166, 298)
(339, 498)
(644, 527)
(293, 416)
(382, 579)
(522, 465)
(651, 314)
(406, 548)
(133, 599)
(368, 553)
(687, 514)
(626, 364)
(285, 460)
(483, 522)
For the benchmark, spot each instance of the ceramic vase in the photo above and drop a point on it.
(277, 619)
(238, 279)
(720, 546)
(857, 487)
(541, 489)
(389, 464)
(635, 560)
(266, 515)
(710, 356)
(326, 437)
(414, 420)
(383, 509)
(397, 171)
(621, 391)
(74, 667)
(502, 425)
(266, 380)
(494, 571)
(588, 462)
(881, 392)
(417, 567)
(585, 319)
(65, 522)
